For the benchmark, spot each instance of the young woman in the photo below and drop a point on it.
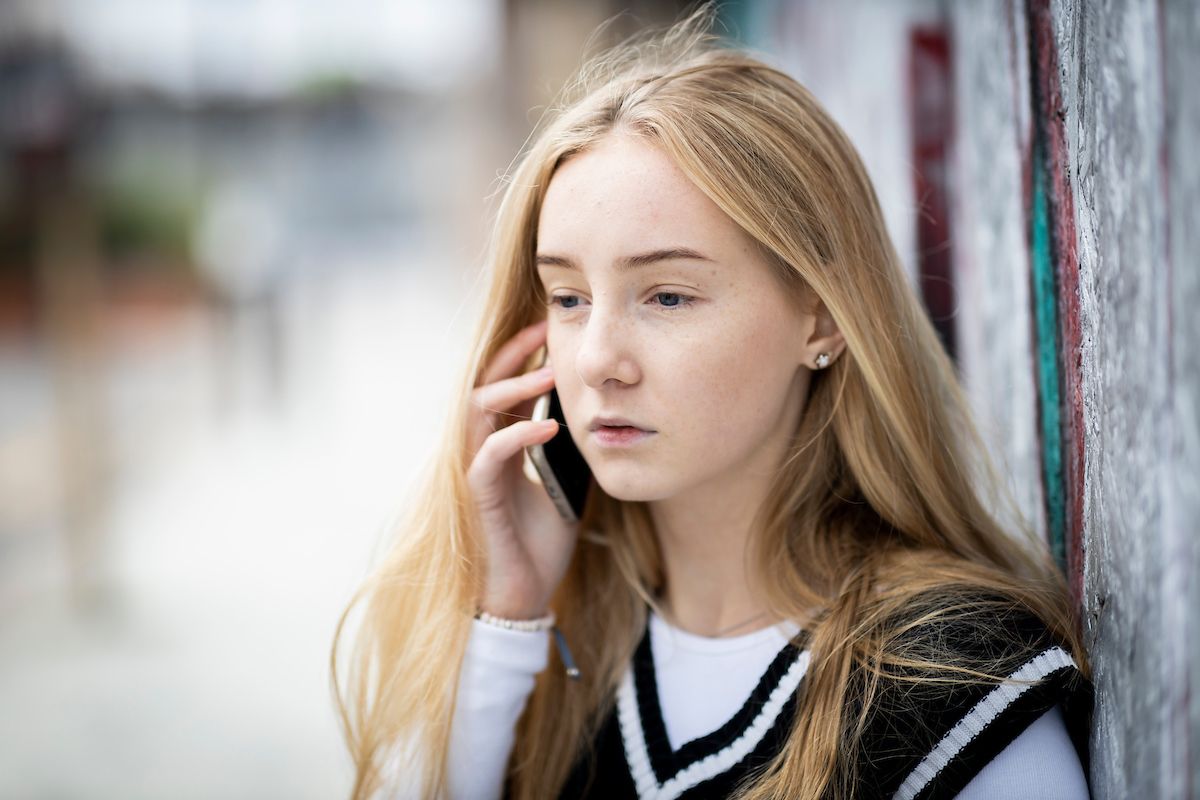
(789, 580)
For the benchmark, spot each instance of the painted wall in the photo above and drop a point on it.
(1131, 124)
(1072, 228)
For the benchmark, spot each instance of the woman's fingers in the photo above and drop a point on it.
(484, 473)
(502, 395)
(512, 354)
(500, 390)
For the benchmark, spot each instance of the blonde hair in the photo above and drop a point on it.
(877, 515)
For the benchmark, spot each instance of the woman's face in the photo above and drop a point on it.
(703, 348)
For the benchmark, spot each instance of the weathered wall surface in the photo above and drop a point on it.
(1138, 300)
(1088, 113)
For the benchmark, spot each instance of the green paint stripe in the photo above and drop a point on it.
(1045, 307)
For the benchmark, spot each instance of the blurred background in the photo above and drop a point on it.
(241, 247)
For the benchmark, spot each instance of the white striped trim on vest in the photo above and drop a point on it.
(710, 766)
(979, 717)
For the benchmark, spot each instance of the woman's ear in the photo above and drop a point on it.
(825, 339)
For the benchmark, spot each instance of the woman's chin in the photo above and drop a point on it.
(631, 486)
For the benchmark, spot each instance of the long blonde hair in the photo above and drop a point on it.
(882, 515)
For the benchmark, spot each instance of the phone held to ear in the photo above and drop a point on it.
(560, 467)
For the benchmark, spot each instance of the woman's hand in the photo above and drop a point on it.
(528, 542)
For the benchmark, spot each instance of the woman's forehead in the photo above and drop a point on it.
(626, 196)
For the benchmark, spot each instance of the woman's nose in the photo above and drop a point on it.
(605, 351)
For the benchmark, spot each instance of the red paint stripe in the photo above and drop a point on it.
(931, 114)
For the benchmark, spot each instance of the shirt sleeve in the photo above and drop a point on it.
(1040, 762)
(496, 679)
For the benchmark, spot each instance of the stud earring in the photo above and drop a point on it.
(822, 360)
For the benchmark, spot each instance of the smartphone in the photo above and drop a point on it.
(559, 466)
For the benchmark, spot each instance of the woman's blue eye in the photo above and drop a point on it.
(568, 302)
(680, 300)
(555, 298)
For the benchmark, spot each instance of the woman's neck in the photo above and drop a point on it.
(703, 535)
(708, 589)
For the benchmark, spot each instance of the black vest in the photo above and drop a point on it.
(924, 750)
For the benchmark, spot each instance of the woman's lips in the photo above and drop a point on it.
(623, 436)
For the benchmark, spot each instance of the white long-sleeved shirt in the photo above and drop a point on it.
(498, 676)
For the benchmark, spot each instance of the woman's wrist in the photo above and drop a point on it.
(512, 605)
(535, 624)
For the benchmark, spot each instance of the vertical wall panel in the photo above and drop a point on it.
(991, 247)
(1055, 279)
(1110, 74)
(1179, 26)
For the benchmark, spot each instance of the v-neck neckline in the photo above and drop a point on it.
(645, 733)
(678, 638)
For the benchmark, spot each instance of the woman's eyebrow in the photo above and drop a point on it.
(629, 262)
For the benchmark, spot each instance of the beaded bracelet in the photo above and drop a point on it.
(540, 624)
